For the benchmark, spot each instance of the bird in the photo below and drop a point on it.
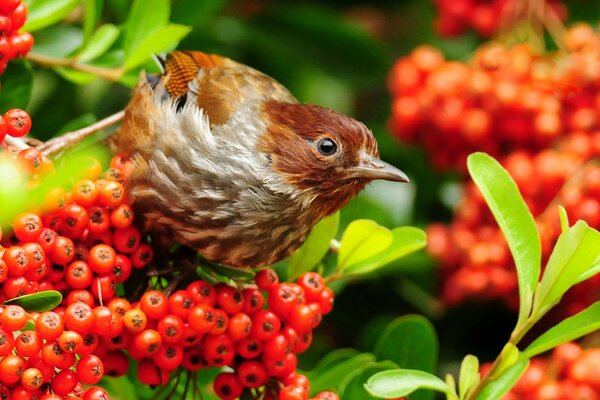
(225, 160)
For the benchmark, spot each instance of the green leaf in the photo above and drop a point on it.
(508, 357)
(353, 387)
(451, 383)
(402, 382)
(43, 13)
(159, 41)
(405, 240)
(145, 18)
(572, 260)
(499, 387)
(469, 375)
(362, 239)
(102, 39)
(16, 86)
(574, 327)
(410, 342)
(91, 16)
(314, 248)
(564, 218)
(328, 379)
(58, 40)
(37, 302)
(516, 222)
(331, 359)
(77, 77)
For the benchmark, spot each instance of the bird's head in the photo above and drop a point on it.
(327, 156)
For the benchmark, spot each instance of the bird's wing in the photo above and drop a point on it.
(217, 84)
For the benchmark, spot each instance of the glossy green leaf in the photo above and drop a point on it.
(17, 83)
(37, 302)
(405, 240)
(315, 247)
(571, 261)
(411, 342)
(102, 39)
(361, 240)
(451, 383)
(469, 375)
(508, 357)
(78, 77)
(145, 18)
(331, 359)
(574, 327)
(43, 13)
(159, 41)
(402, 382)
(516, 222)
(58, 40)
(92, 11)
(328, 379)
(564, 218)
(500, 386)
(353, 387)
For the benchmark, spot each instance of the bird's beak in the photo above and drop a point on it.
(372, 168)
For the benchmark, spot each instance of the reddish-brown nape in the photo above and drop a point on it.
(295, 129)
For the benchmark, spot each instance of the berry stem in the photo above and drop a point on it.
(17, 143)
(58, 144)
(112, 74)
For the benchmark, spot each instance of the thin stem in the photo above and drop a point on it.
(58, 144)
(17, 143)
(112, 74)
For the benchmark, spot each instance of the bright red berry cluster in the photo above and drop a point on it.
(539, 115)
(50, 361)
(483, 16)
(474, 258)
(83, 244)
(13, 44)
(570, 372)
(503, 99)
(262, 342)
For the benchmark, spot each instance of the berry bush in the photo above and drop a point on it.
(93, 307)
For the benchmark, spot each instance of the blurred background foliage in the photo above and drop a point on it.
(334, 53)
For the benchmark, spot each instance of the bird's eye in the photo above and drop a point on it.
(327, 147)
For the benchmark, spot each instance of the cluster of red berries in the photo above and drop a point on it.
(503, 99)
(475, 262)
(261, 343)
(570, 372)
(37, 362)
(13, 14)
(83, 244)
(15, 123)
(483, 16)
(539, 115)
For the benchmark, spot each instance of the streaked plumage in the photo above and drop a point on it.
(225, 160)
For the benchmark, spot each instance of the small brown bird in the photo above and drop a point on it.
(226, 161)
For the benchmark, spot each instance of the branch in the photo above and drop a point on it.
(112, 74)
(58, 144)
(17, 143)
